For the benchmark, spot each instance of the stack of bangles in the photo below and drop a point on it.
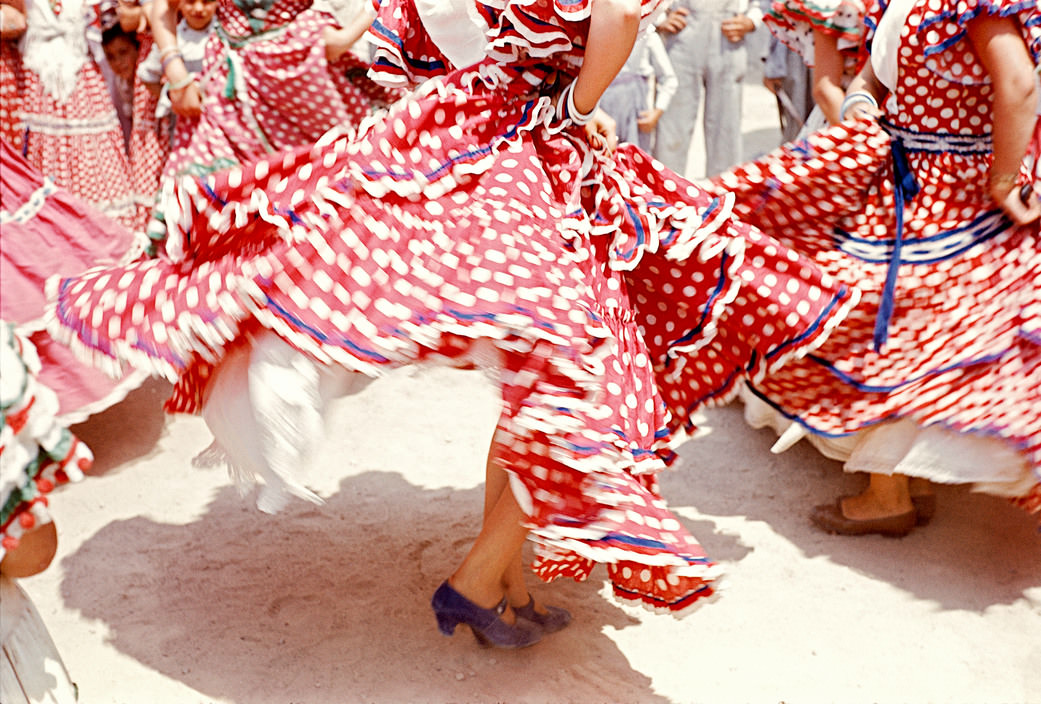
(566, 109)
(166, 56)
(859, 96)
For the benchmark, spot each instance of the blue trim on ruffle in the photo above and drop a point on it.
(927, 250)
(716, 293)
(842, 293)
(871, 388)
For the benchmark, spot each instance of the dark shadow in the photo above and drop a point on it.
(341, 593)
(128, 430)
(978, 551)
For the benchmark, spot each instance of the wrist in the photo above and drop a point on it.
(1001, 183)
(181, 84)
(860, 97)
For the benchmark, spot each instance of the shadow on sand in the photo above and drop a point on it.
(107, 434)
(340, 593)
(978, 551)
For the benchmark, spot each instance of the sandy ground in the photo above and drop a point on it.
(169, 588)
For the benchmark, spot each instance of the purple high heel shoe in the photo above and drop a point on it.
(452, 609)
(552, 621)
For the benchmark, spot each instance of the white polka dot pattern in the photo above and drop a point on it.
(79, 144)
(963, 348)
(465, 213)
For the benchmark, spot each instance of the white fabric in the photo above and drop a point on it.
(456, 28)
(55, 47)
(885, 47)
(265, 409)
(345, 11)
(904, 447)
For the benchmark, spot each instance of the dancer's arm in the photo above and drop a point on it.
(864, 82)
(613, 25)
(339, 40)
(12, 20)
(828, 67)
(162, 18)
(1000, 46)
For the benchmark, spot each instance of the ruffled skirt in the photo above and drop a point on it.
(961, 350)
(617, 299)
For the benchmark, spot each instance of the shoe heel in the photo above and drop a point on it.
(446, 623)
(451, 608)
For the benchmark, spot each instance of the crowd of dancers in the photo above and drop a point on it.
(308, 217)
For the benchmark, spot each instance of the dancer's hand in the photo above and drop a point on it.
(187, 101)
(601, 131)
(861, 111)
(1020, 204)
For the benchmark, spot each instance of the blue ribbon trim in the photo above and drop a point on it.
(905, 188)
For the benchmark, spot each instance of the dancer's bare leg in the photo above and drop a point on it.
(480, 577)
(886, 495)
(513, 583)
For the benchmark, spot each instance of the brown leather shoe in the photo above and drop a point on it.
(829, 518)
(924, 508)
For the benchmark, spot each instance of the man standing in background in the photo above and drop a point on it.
(705, 40)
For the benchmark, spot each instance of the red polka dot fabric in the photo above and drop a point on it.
(962, 347)
(268, 91)
(149, 143)
(12, 90)
(794, 22)
(621, 297)
(79, 144)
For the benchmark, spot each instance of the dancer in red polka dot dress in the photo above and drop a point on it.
(150, 135)
(73, 134)
(937, 375)
(484, 217)
(276, 74)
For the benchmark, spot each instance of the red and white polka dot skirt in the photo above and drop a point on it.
(79, 144)
(621, 297)
(962, 346)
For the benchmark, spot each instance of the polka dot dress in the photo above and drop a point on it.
(39, 453)
(961, 347)
(267, 85)
(795, 21)
(12, 90)
(621, 297)
(77, 140)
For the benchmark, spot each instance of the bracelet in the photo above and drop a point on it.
(172, 49)
(167, 59)
(183, 83)
(860, 96)
(1003, 181)
(566, 109)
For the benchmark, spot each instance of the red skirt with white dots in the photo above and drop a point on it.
(961, 347)
(619, 296)
(79, 144)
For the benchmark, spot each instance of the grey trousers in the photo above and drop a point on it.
(623, 100)
(710, 70)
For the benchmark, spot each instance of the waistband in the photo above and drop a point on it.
(940, 142)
